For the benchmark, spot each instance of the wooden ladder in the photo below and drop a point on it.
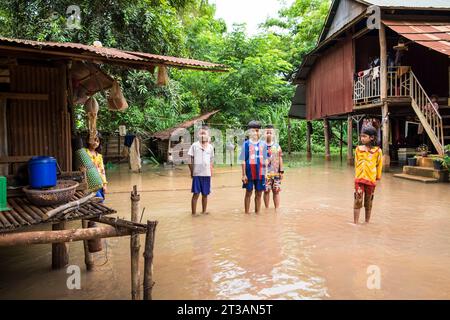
(427, 113)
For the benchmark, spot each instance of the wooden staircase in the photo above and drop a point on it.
(429, 116)
(424, 172)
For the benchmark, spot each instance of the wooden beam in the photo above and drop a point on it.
(289, 135)
(61, 236)
(326, 133)
(24, 96)
(308, 139)
(383, 93)
(350, 159)
(14, 159)
(135, 246)
(60, 254)
(148, 259)
(341, 134)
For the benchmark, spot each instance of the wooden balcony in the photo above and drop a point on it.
(367, 87)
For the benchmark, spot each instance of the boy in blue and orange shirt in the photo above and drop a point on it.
(252, 155)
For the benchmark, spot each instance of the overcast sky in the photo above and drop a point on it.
(252, 12)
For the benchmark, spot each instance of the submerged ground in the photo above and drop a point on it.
(309, 249)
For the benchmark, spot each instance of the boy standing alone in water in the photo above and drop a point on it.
(252, 155)
(273, 167)
(201, 164)
(368, 168)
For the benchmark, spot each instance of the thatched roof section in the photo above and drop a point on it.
(165, 134)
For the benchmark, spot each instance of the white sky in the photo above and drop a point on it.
(251, 12)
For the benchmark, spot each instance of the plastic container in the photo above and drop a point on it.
(412, 162)
(42, 172)
(3, 194)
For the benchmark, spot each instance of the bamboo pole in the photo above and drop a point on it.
(135, 247)
(60, 256)
(326, 133)
(88, 259)
(72, 204)
(61, 236)
(148, 259)
(350, 140)
(308, 139)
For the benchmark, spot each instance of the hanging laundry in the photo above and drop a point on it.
(135, 155)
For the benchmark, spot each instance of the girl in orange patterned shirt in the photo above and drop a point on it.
(368, 168)
(97, 159)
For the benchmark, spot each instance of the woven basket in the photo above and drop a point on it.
(63, 192)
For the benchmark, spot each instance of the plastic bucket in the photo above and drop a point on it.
(412, 162)
(42, 172)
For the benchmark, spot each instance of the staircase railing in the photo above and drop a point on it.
(428, 114)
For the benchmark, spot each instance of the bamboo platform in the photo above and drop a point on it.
(24, 214)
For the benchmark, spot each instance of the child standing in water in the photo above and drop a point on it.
(252, 155)
(201, 164)
(96, 157)
(273, 167)
(368, 168)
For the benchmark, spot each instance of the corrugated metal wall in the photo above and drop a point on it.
(40, 127)
(330, 83)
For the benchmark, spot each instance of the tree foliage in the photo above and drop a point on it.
(257, 86)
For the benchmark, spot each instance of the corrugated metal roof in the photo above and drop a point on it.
(176, 60)
(419, 4)
(113, 54)
(165, 134)
(434, 35)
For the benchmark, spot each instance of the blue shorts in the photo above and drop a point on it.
(100, 194)
(258, 185)
(201, 185)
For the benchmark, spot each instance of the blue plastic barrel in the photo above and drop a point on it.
(42, 172)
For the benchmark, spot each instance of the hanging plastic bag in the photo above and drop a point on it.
(116, 100)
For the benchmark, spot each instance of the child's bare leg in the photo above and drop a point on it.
(267, 198)
(258, 196)
(248, 196)
(194, 203)
(276, 198)
(368, 206)
(356, 213)
(204, 203)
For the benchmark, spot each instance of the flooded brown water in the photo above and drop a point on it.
(309, 249)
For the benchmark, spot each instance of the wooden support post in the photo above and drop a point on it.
(88, 259)
(383, 93)
(308, 139)
(148, 259)
(289, 136)
(60, 256)
(350, 159)
(326, 132)
(385, 130)
(341, 136)
(135, 247)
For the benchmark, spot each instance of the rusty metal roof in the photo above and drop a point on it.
(165, 134)
(434, 35)
(107, 55)
(413, 4)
